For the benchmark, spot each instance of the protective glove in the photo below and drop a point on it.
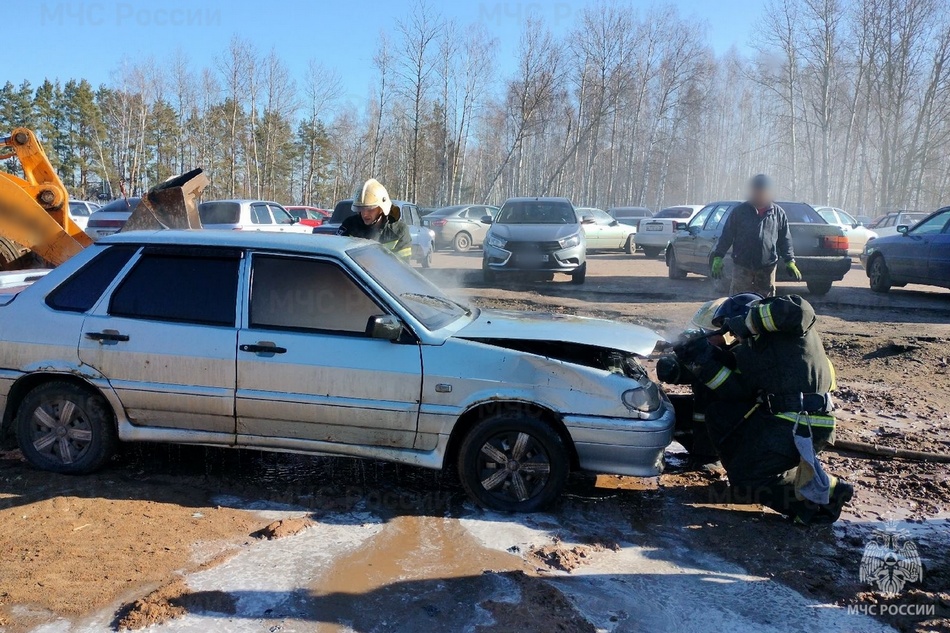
(737, 326)
(669, 370)
(717, 266)
(694, 352)
(793, 270)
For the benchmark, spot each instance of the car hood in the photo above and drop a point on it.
(534, 232)
(561, 328)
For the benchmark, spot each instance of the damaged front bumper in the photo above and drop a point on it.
(622, 446)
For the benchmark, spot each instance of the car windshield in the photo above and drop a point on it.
(419, 296)
(342, 210)
(801, 213)
(675, 213)
(536, 212)
(78, 209)
(219, 212)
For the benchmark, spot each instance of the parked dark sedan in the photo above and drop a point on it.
(919, 255)
(821, 249)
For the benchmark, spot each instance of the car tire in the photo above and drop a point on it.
(879, 276)
(495, 456)
(629, 247)
(489, 276)
(673, 269)
(579, 274)
(819, 287)
(462, 243)
(652, 253)
(75, 433)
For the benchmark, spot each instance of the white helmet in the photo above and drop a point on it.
(372, 194)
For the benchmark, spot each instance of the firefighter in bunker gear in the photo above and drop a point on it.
(377, 219)
(779, 375)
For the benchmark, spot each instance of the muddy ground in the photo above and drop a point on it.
(186, 538)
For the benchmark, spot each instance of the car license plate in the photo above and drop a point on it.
(106, 233)
(533, 258)
(653, 227)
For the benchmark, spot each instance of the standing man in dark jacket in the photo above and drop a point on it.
(778, 383)
(757, 231)
(377, 218)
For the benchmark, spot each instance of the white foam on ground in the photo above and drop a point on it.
(677, 589)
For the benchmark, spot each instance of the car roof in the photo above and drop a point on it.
(262, 240)
(243, 201)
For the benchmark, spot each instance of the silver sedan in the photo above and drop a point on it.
(317, 344)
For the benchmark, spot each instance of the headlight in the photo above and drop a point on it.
(644, 398)
(496, 241)
(568, 242)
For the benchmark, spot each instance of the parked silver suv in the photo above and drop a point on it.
(317, 344)
(535, 235)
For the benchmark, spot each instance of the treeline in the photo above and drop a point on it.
(842, 102)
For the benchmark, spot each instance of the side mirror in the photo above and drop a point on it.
(679, 226)
(903, 228)
(385, 327)
(486, 219)
(587, 221)
(693, 230)
(615, 223)
(856, 225)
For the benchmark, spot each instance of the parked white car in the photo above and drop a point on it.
(249, 215)
(857, 234)
(604, 232)
(110, 218)
(655, 233)
(318, 344)
(80, 210)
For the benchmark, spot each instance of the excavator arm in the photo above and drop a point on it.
(34, 210)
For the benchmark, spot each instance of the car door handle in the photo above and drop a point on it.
(107, 335)
(263, 348)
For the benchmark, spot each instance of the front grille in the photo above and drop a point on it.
(533, 247)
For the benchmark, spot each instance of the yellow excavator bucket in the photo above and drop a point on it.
(34, 210)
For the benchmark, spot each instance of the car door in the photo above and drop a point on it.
(593, 232)
(306, 368)
(709, 236)
(472, 218)
(909, 257)
(613, 234)
(283, 221)
(938, 261)
(165, 337)
(261, 218)
(686, 244)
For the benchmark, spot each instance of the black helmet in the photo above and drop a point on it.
(734, 306)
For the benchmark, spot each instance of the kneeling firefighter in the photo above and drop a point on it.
(769, 410)
(377, 218)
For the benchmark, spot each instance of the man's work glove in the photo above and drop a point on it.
(717, 268)
(793, 270)
(737, 326)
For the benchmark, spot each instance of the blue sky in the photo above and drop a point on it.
(91, 39)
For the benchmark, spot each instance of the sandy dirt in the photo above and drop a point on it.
(121, 542)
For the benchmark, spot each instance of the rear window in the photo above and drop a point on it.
(633, 212)
(675, 213)
(82, 290)
(187, 288)
(219, 212)
(342, 210)
(801, 213)
(78, 209)
(122, 205)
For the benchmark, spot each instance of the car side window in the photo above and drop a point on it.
(932, 226)
(184, 287)
(700, 218)
(717, 217)
(281, 216)
(82, 290)
(260, 214)
(289, 293)
(602, 218)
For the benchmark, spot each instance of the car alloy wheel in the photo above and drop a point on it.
(879, 276)
(513, 462)
(462, 242)
(62, 427)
